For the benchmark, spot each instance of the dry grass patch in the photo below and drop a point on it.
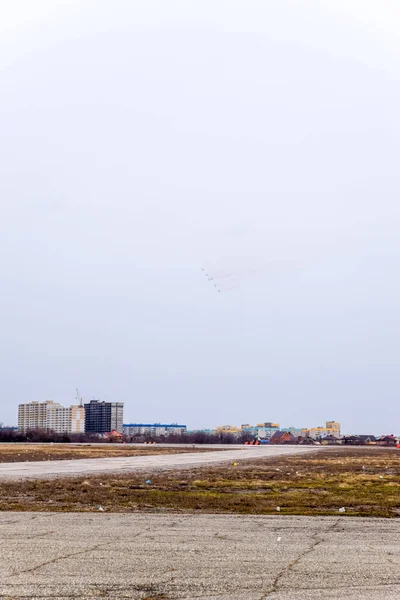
(365, 481)
(44, 452)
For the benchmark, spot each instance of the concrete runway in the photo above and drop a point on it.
(213, 557)
(92, 466)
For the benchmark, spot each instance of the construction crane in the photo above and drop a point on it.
(78, 397)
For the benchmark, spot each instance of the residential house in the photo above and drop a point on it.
(359, 440)
(330, 440)
(387, 440)
(114, 436)
(282, 437)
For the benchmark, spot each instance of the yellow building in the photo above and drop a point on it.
(227, 429)
(331, 428)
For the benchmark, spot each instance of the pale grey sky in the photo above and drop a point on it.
(143, 140)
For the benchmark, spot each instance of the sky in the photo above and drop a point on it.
(143, 141)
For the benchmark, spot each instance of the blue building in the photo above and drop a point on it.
(156, 429)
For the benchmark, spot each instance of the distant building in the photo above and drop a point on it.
(262, 430)
(204, 431)
(250, 429)
(267, 430)
(66, 419)
(32, 415)
(156, 429)
(295, 431)
(360, 440)
(115, 436)
(227, 429)
(387, 440)
(330, 440)
(282, 437)
(331, 428)
(104, 417)
(51, 416)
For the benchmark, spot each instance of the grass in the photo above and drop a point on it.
(366, 482)
(43, 452)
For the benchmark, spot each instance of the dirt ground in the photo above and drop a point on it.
(38, 452)
(363, 481)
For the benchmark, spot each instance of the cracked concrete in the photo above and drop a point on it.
(316, 539)
(182, 556)
(57, 558)
(65, 556)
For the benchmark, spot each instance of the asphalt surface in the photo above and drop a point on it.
(127, 464)
(213, 557)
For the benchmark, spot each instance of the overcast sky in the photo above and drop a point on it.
(144, 140)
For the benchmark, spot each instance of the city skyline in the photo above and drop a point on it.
(115, 420)
(78, 401)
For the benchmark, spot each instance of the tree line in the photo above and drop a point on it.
(45, 436)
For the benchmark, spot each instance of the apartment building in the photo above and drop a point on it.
(51, 416)
(32, 415)
(295, 431)
(331, 428)
(227, 429)
(155, 429)
(267, 430)
(104, 417)
(66, 419)
(262, 430)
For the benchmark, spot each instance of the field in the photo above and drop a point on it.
(363, 481)
(38, 452)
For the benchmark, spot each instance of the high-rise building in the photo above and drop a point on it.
(66, 419)
(104, 417)
(51, 416)
(32, 415)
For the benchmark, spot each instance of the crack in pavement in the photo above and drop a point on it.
(10, 522)
(35, 535)
(58, 558)
(390, 560)
(352, 588)
(316, 541)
